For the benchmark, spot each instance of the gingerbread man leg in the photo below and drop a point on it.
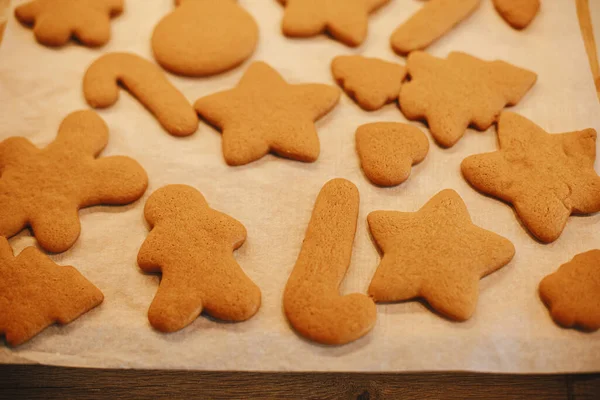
(56, 227)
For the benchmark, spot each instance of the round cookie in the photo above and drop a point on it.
(204, 37)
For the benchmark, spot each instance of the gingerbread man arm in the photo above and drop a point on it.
(15, 151)
(56, 227)
(151, 256)
(114, 180)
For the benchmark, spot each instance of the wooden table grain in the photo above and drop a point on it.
(43, 382)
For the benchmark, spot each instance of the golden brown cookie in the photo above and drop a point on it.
(546, 177)
(312, 302)
(518, 13)
(147, 83)
(56, 21)
(35, 293)
(44, 189)
(432, 21)
(437, 254)
(345, 20)
(192, 245)
(573, 292)
(264, 113)
(388, 150)
(371, 82)
(204, 37)
(459, 91)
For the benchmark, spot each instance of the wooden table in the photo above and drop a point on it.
(41, 382)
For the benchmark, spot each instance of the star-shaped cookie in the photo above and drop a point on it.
(192, 245)
(35, 293)
(266, 114)
(436, 253)
(45, 188)
(573, 292)
(459, 91)
(546, 177)
(55, 21)
(345, 20)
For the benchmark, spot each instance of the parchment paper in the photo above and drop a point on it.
(511, 330)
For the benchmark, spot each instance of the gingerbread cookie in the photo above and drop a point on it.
(55, 22)
(518, 13)
(573, 292)
(345, 20)
(44, 189)
(147, 83)
(204, 37)
(371, 82)
(311, 300)
(266, 114)
(437, 254)
(546, 177)
(387, 150)
(459, 91)
(36, 293)
(192, 245)
(431, 22)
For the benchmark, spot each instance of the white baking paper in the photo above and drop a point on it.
(511, 330)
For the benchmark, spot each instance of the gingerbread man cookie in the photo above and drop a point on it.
(266, 114)
(437, 254)
(431, 22)
(460, 91)
(518, 13)
(546, 177)
(192, 245)
(44, 189)
(311, 300)
(388, 150)
(204, 37)
(573, 292)
(371, 82)
(147, 83)
(35, 293)
(56, 21)
(345, 20)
